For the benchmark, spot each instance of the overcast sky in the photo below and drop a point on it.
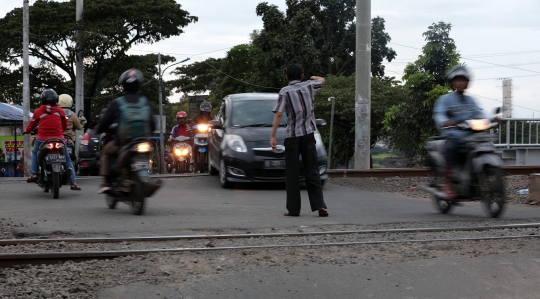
(489, 34)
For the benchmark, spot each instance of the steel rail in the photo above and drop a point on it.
(6, 242)
(12, 259)
(416, 172)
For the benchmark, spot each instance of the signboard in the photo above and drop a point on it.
(9, 150)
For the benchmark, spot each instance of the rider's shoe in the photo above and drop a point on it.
(105, 187)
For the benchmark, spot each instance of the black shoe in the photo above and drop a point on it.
(32, 179)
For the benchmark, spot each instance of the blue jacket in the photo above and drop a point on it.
(462, 107)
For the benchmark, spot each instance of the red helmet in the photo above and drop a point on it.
(181, 114)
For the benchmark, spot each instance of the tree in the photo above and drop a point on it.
(379, 48)
(385, 92)
(409, 123)
(111, 28)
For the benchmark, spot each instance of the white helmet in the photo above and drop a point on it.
(65, 101)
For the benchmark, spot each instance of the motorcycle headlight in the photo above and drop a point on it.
(185, 151)
(143, 147)
(202, 128)
(178, 152)
(480, 124)
(236, 143)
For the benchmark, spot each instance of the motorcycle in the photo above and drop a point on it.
(476, 176)
(129, 175)
(200, 147)
(180, 159)
(52, 175)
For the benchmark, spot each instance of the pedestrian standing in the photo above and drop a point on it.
(296, 100)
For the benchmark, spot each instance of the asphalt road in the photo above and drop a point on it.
(188, 204)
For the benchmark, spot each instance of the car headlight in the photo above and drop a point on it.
(143, 147)
(236, 143)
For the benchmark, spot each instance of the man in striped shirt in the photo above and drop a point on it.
(296, 100)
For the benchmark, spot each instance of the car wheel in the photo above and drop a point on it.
(223, 175)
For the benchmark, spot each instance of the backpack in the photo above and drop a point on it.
(134, 119)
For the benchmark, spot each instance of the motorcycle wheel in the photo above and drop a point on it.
(138, 193)
(492, 191)
(169, 167)
(182, 167)
(110, 200)
(55, 191)
(442, 205)
(202, 162)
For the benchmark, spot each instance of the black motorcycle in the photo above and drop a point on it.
(129, 174)
(52, 175)
(71, 151)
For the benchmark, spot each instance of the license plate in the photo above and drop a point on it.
(140, 165)
(55, 158)
(274, 164)
(201, 135)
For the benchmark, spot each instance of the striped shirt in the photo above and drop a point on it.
(297, 101)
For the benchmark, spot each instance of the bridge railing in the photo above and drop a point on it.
(517, 132)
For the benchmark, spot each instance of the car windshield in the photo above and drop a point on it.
(254, 114)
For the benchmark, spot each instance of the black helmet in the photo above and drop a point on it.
(206, 107)
(49, 97)
(457, 71)
(131, 80)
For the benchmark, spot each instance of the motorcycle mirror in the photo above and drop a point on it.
(498, 110)
(215, 124)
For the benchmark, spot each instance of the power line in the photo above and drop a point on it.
(500, 101)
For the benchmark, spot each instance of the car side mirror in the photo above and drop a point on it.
(320, 122)
(215, 124)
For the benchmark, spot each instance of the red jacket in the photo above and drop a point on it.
(51, 120)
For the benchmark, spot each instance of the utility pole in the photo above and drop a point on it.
(161, 129)
(333, 100)
(362, 106)
(79, 75)
(26, 88)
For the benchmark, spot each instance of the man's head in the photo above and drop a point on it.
(294, 72)
(181, 117)
(65, 101)
(458, 76)
(131, 80)
(205, 109)
(49, 97)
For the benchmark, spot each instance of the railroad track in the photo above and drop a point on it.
(37, 258)
(416, 172)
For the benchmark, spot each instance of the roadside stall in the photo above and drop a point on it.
(11, 140)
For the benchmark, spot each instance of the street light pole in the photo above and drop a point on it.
(26, 88)
(161, 126)
(331, 99)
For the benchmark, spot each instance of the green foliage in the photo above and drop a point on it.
(409, 123)
(385, 92)
(379, 49)
(111, 28)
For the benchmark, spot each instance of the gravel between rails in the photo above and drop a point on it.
(83, 280)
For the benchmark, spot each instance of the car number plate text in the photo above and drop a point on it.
(55, 158)
(274, 164)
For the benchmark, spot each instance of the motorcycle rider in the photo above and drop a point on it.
(181, 128)
(65, 101)
(204, 114)
(52, 123)
(448, 111)
(131, 81)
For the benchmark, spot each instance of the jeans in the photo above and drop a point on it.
(67, 164)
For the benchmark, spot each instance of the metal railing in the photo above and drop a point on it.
(517, 132)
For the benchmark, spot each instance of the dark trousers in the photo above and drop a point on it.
(304, 146)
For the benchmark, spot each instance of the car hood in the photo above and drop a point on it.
(251, 134)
